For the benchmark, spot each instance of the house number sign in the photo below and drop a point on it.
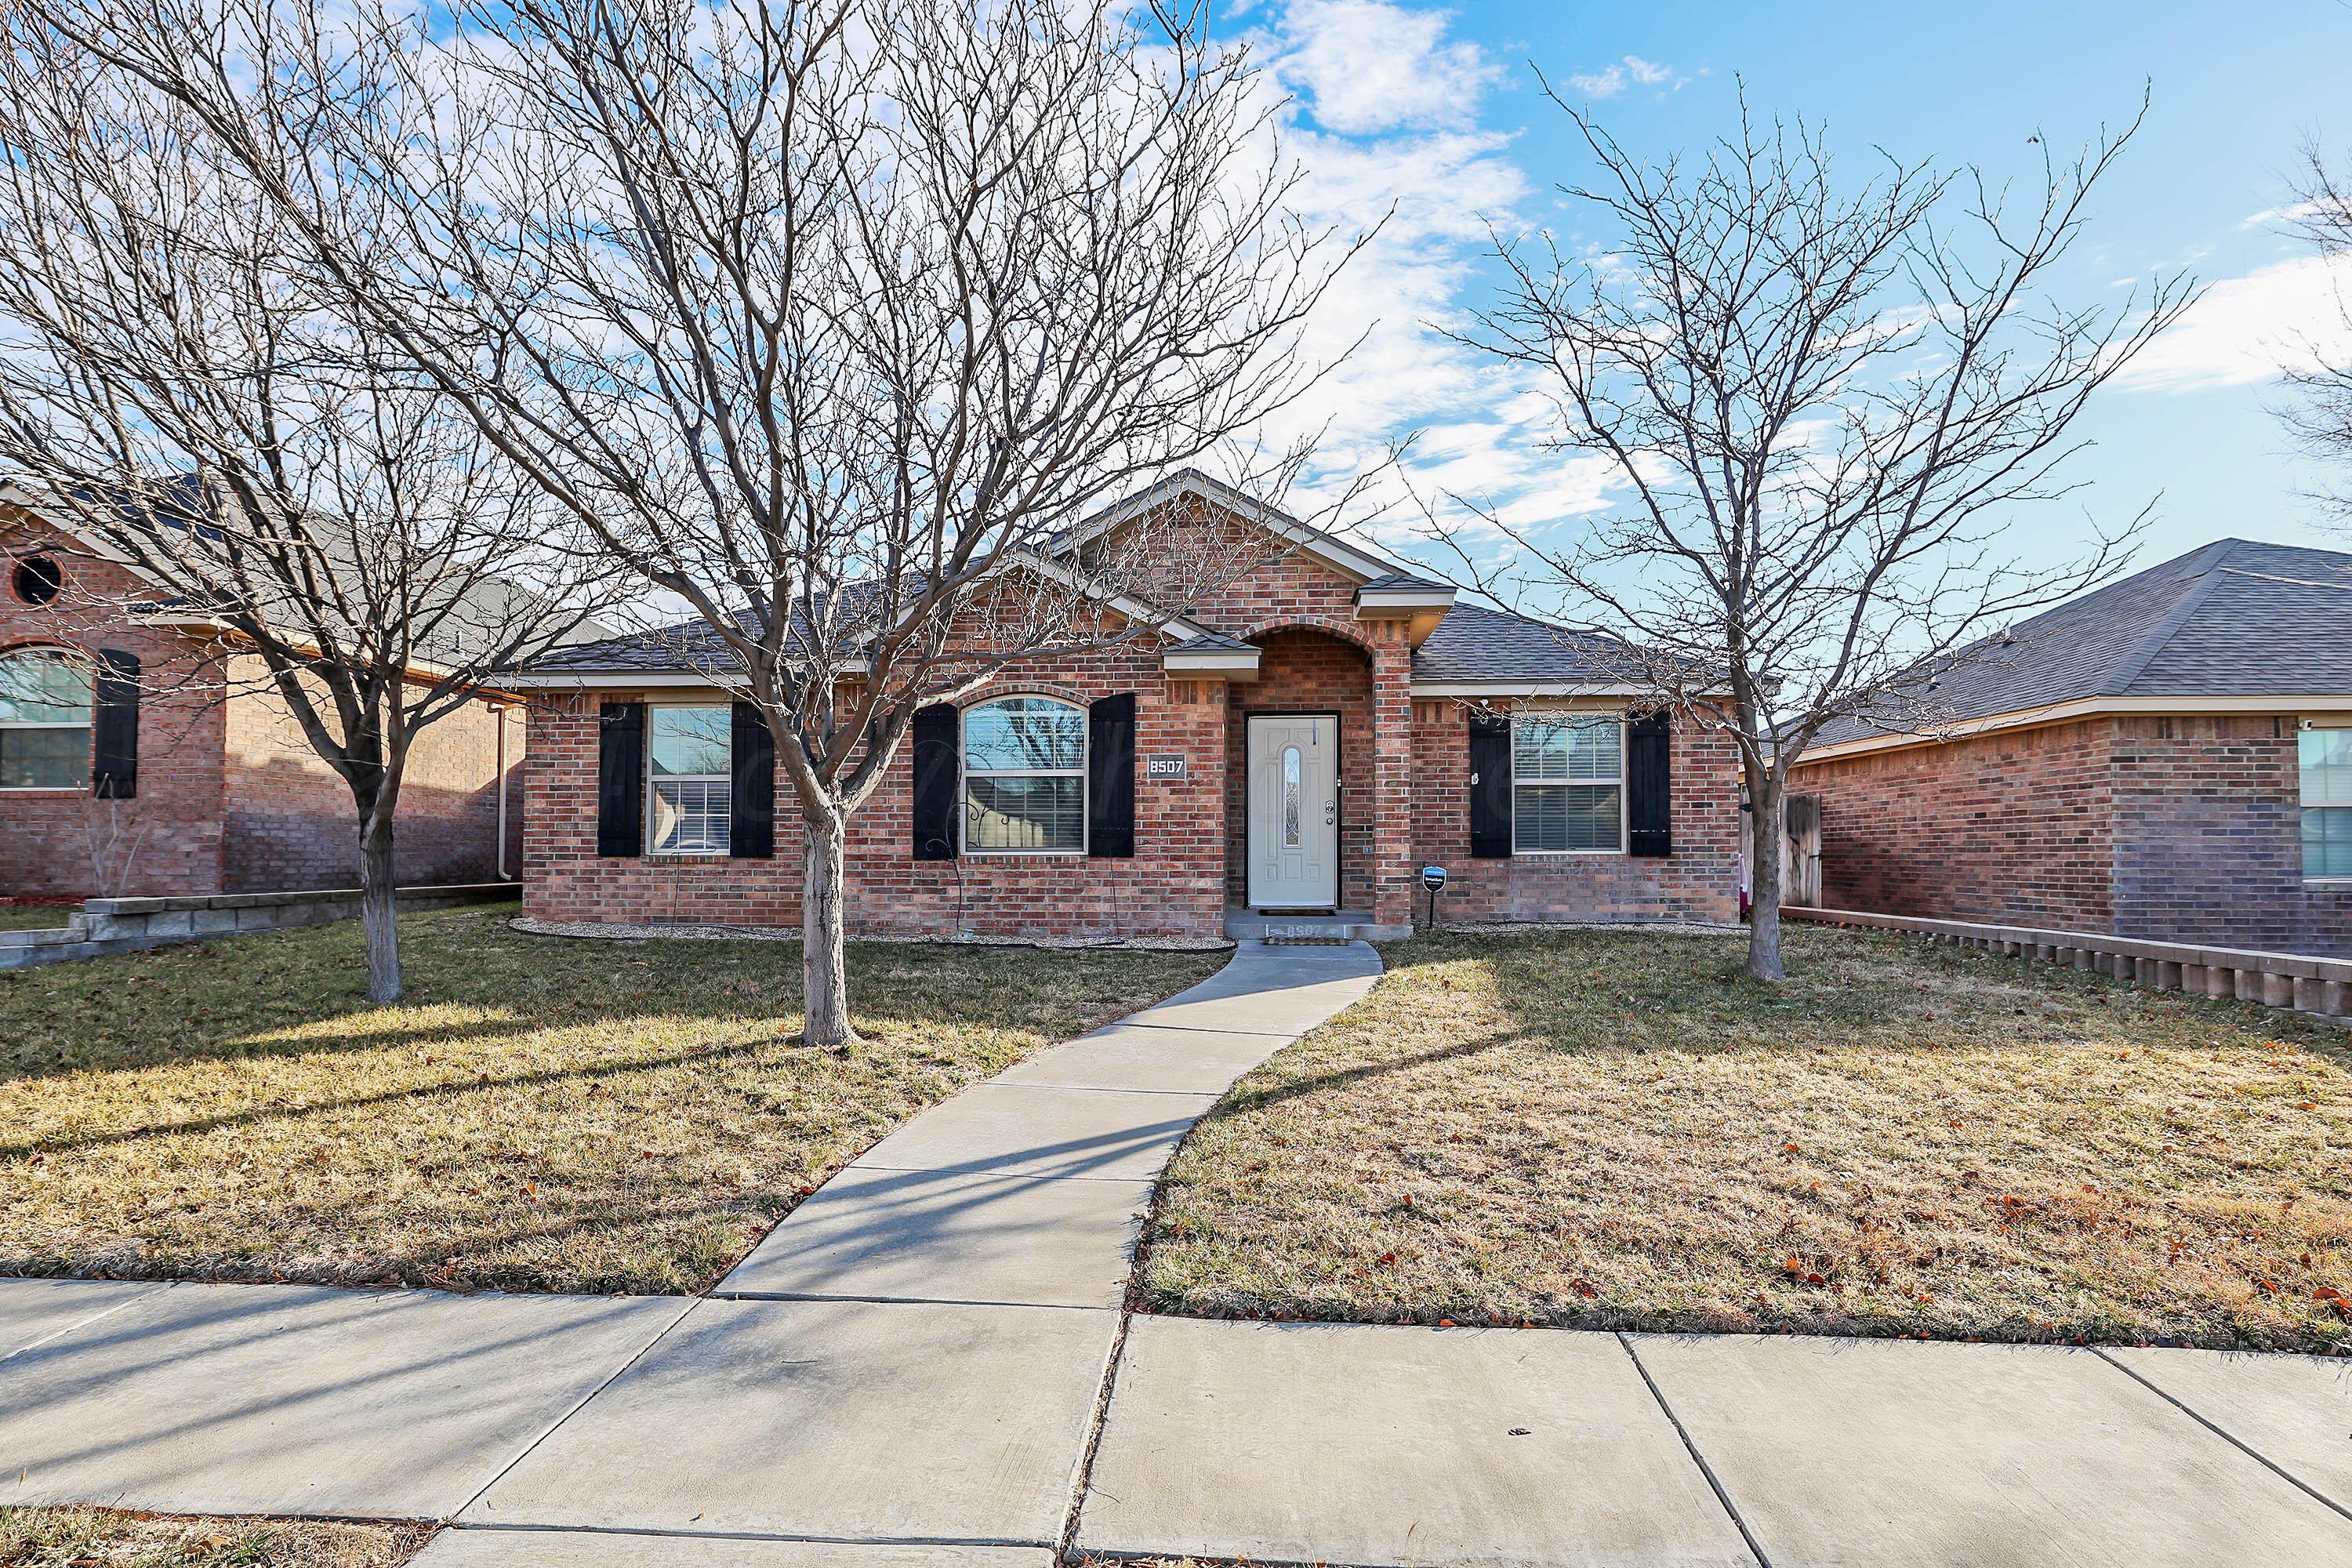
(1163, 767)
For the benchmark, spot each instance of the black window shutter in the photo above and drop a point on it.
(115, 772)
(1649, 787)
(933, 816)
(1111, 777)
(1490, 786)
(752, 826)
(621, 779)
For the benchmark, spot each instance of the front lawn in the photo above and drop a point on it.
(98, 1537)
(1620, 1131)
(540, 1114)
(35, 916)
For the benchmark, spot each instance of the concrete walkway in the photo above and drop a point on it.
(906, 1371)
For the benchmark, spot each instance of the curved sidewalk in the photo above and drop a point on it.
(905, 1371)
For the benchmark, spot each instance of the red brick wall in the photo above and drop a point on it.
(166, 839)
(2209, 836)
(1190, 835)
(2179, 829)
(1700, 880)
(1173, 886)
(291, 823)
(2016, 827)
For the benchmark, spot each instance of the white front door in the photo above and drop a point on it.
(1294, 811)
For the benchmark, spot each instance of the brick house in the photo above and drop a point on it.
(141, 754)
(2168, 757)
(1305, 738)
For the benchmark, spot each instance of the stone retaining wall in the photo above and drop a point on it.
(2303, 982)
(130, 925)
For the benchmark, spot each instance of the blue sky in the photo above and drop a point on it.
(1436, 109)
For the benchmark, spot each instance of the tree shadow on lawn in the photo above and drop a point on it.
(1622, 1130)
(471, 979)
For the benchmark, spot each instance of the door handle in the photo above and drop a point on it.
(1331, 812)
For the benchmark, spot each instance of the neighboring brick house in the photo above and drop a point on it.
(141, 754)
(1305, 739)
(2168, 757)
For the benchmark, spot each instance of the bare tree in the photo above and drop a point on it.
(1821, 410)
(2322, 419)
(830, 321)
(180, 390)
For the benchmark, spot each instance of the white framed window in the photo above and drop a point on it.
(2324, 761)
(1568, 784)
(1024, 776)
(46, 706)
(690, 772)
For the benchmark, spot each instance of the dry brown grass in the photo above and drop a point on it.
(1620, 1131)
(540, 1114)
(101, 1537)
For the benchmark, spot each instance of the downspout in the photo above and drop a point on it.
(499, 714)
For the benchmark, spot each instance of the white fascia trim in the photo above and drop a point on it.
(1404, 599)
(1348, 559)
(1218, 661)
(2084, 707)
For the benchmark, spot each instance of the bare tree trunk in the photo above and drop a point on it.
(824, 980)
(378, 907)
(1764, 875)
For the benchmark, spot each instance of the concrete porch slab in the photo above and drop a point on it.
(285, 1399)
(593, 1549)
(33, 1311)
(1029, 1130)
(1946, 1456)
(1294, 1442)
(2296, 1411)
(843, 1421)
(932, 1235)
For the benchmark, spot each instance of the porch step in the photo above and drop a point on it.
(1347, 925)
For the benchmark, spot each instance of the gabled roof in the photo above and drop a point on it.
(1368, 568)
(2236, 619)
(481, 607)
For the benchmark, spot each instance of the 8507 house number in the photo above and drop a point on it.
(1164, 767)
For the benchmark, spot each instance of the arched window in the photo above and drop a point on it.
(1025, 775)
(45, 717)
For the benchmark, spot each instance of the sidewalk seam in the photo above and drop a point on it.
(1691, 1445)
(2227, 1436)
(582, 1404)
(156, 1288)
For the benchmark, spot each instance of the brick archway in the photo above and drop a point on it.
(1306, 668)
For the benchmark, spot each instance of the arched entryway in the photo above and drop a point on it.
(1299, 813)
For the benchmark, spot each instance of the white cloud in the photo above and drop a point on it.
(1369, 66)
(2293, 213)
(1387, 117)
(1631, 72)
(2243, 329)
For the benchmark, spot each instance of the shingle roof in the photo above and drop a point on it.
(2236, 618)
(1475, 643)
(1402, 580)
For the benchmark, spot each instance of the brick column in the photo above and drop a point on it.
(1394, 875)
